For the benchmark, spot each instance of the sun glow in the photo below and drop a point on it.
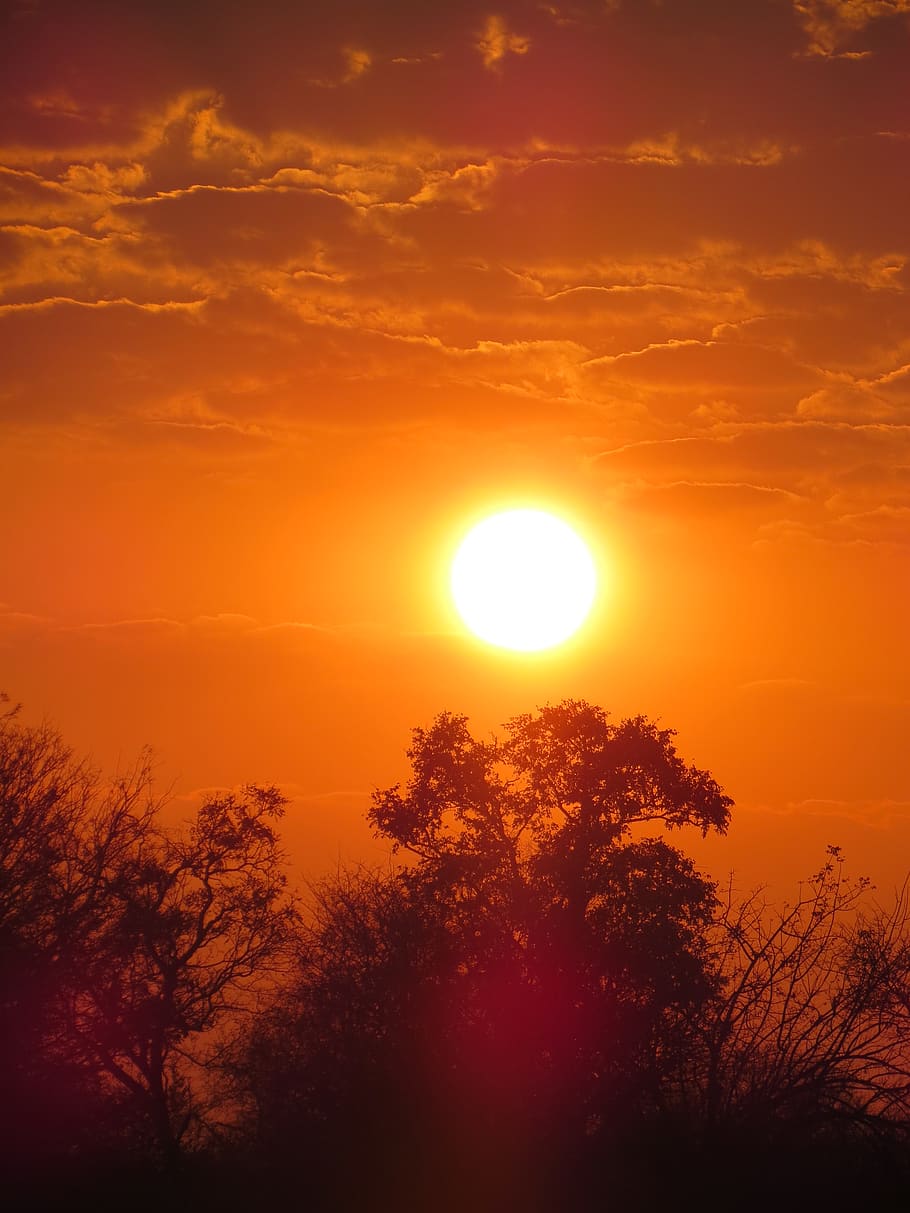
(523, 580)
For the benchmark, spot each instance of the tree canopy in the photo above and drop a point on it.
(535, 961)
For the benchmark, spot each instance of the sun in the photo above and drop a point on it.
(523, 580)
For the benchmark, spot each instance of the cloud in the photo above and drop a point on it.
(223, 627)
(41, 264)
(466, 187)
(833, 24)
(59, 103)
(195, 421)
(894, 384)
(886, 523)
(544, 369)
(128, 630)
(358, 61)
(16, 625)
(826, 482)
(877, 814)
(100, 178)
(672, 150)
(851, 402)
(639, 271)
(211, 138)
(497, 40)
(725, 501)
(885, 527)
(682, 364)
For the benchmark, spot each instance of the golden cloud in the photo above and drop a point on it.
(497, 40)
(830, 24)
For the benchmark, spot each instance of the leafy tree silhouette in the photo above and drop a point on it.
(53, 1101)
(123, 946)
(515, 989)
(189, 926)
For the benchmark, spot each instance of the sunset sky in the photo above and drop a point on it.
(291, 294)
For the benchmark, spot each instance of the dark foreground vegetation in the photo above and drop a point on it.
(543, 1006)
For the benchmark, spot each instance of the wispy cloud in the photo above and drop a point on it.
(496, 41)
(831, 25)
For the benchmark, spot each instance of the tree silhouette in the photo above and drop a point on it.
(797, 1070)
(190, 925)
(126, 945)
(540, 1004)
(53, 1101)
(810, 1032)
(519, 983)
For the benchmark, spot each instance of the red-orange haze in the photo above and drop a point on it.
(292, 294)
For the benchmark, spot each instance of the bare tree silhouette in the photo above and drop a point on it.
(812, 1025)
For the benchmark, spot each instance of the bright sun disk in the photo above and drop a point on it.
(523, 580)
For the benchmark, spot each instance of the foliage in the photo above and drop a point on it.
(190, 924)
(528, 844)
(525, 975)
(126, 944)
(53, 1102)
(542, 1003)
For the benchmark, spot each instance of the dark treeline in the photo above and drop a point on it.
(541, 1005)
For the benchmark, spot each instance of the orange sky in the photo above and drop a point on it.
(289, 296)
